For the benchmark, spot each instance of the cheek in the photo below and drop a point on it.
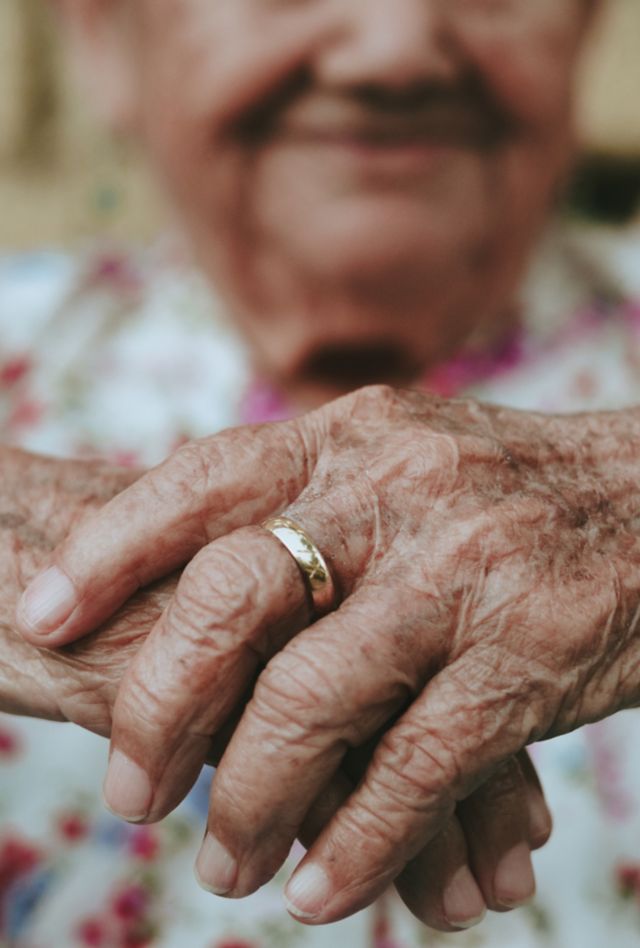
(201, 65)
(528, 61)
(209, 61)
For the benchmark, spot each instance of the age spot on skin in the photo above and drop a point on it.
(11, 521)
(24, 532)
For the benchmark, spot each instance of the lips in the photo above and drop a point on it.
(441, 126)
(386, 139)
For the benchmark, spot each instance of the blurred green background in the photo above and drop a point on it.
(62, 180)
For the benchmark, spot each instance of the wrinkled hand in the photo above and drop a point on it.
(488, 566)
(42, 499)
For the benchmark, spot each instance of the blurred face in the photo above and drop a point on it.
(362, 179)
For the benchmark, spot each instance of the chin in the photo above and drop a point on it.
(380, 241)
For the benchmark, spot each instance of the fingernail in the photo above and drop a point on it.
(47, 602)
(308, 891)
(216, 869)
(464, 905)
(539, 817)
(514, 881)
(127, 789)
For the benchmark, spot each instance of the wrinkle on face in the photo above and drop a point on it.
(463, 234)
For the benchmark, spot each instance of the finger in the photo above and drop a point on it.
(230, 611)
(239, 601)
(203, 491)
(438, 886)
(324, 808)
(446, 745)
(308, 708)
(540, 819)
(476, 861)
(496, 824)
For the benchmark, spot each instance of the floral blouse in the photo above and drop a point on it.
(126, 355)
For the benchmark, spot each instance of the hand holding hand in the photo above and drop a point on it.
(487, 562)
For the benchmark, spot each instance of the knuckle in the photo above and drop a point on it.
(296, 704)
(216, 602)
(370, 849)
(373, 398)
(371, 825)
(416, 456)
(373, 404)
(141, 708)
(187, 475)
(419, 771)
(293, 687)
(87, 703)
(230, 798)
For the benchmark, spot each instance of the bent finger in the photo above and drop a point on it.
(540, 818)
(229, 612)
(308, 708)
(443, 747)
(482, 858)
(237, 603)
(203, 491)
(438, 886)
(497, 825)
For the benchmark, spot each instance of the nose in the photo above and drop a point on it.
(397, 44)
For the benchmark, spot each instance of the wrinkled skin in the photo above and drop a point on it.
(42, 500)
(362, 180)
(488, 564)
(419, 144)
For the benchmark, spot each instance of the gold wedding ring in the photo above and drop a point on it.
(311, 562)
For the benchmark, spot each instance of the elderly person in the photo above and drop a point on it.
(364, 184)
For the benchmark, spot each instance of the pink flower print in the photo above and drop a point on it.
(382, 936)
(130, 903)
(125, 459)
(144, 843)
(450, 378)
(18, 858)
(10, 744)
(262, 403)
(14, 370)
(72, 826)
(608, 753)
(627, 875)
(234, 943)
(92, 933)
(117, 273)
(26, 414)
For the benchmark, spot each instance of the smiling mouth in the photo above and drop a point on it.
(455, 129)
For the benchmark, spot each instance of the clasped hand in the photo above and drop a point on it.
(487, 566)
